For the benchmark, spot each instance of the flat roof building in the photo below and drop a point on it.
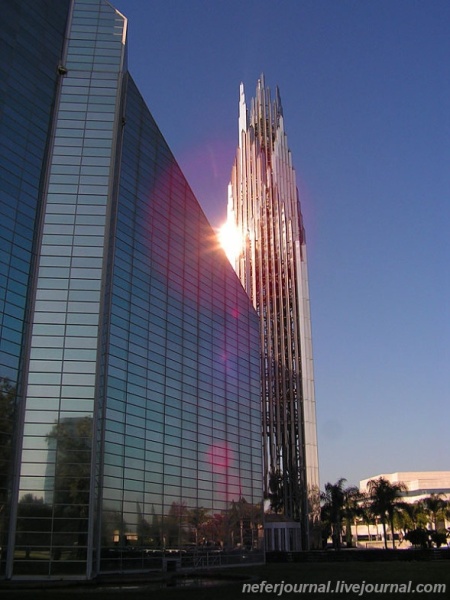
(419, 484)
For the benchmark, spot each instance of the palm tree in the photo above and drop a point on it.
(413, 516)
(366, 514)
(333, 499)
(351, 511)
(386, 501)
(435, 506)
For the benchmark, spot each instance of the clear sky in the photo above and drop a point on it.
(365, 87)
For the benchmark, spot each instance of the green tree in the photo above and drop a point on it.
(314, 510)
(366, 513)
(435, 506)
(438, 538)
(333, 500)
(418, 537)
(412, 516)
(385, 501)
(351, 512)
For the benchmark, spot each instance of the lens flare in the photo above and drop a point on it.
(231, 240)
(220, 457)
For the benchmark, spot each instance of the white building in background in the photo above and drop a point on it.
(420, 484)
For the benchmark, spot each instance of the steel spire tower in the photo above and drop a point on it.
(271, 262)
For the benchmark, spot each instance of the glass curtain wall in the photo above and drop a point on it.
(182, 445)
(31, 41)
(139, 433)
(55, 460)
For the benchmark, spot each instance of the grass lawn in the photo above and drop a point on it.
(316, 573)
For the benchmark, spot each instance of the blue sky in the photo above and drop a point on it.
(365, 87)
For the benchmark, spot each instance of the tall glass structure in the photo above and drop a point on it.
(264, 210)
(130, 421)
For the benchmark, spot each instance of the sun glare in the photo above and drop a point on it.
(230, 240)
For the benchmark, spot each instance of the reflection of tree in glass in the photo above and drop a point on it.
(282, 484)
(113, 528)
(197, 518)
(145, 531)
(276, 491)
(174, 525)
(244, 519)
(7, 407)
(72, 440)
(236, 527)
(33, 523)
(216, 530)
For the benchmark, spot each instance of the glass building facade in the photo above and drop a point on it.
(130, 378)
(271, 261)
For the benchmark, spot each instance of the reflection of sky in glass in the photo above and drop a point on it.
(220, 458)
(39, 452)
(188, 356)
(159, 351)
(56, 454)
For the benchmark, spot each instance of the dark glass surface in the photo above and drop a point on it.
(31, 39)
(142, 392)
(181, 326)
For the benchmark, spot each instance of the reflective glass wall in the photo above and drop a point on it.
(53, 497)
(138, 437)
(182, 446)
(31, 40)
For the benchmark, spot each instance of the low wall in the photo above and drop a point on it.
(369, 555)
